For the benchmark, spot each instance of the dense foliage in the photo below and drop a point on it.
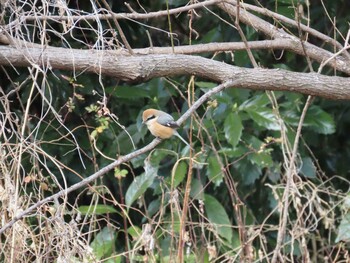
(62, 126)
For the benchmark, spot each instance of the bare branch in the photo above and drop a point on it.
(133, 15)
(291, 171)
(272, 31)
(140, 16)
(282, 19)
(141, 68)
(82, 183)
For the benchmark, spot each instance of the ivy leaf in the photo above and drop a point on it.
(233, 129)
(218, 217)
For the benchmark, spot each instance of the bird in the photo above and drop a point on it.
(161, 124)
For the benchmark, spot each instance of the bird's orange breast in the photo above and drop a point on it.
(161, 131)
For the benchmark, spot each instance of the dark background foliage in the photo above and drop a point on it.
(102, 114)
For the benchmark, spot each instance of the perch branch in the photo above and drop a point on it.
(116, 163)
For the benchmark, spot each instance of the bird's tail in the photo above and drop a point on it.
(182, 139)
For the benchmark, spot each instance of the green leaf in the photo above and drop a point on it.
(134, 232)
(254, 142)
(255, 103)
(261, 158)
(140, 184)
(123, 142)
(197, 190)
(266, 118)
(178, 175)
(214, 171)
(103, 244)
(96, 210)
(249, 172)
(233, 128)
(233, 153)
(114, 259)
(319, 120)
(308, 168)
(242, 59)
(212, 35)
(159, 155)
(130, 92)
(119, 174)
(218, 217)
(344, 229)
(153, 207)
(205, 85)
(290, 3)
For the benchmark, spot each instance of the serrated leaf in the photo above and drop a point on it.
(320, 120)
(250, 172)
(255, 103)
(140, 184)
(233, 153)
(233, 128)
(96, 210)
(218, 217)
(265, 118)
(262, 159)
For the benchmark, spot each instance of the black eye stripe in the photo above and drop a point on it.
(150, 117)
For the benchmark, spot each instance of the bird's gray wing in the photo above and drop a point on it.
(167, 120)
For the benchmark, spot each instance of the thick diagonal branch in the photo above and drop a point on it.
(145, 67)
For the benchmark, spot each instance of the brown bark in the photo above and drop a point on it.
(145, 67)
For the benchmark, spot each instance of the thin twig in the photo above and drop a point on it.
(118, 162)
(133, 15)
(121, 33)
(289, 174)
(174, 11)
(82, 183)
